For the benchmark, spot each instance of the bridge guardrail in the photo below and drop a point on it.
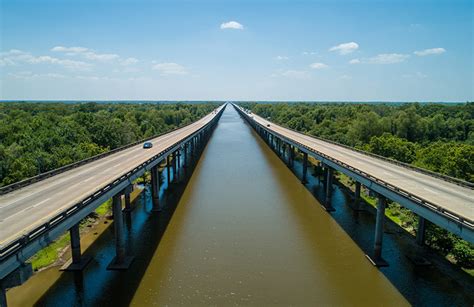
(422, 202)
(25, 182)
(11, 247)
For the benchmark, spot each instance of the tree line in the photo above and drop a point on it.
(38, 137)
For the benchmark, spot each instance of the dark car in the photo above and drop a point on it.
(268, 125)
(147, 145)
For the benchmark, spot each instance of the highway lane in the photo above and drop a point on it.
(24, 209)
(455, 198)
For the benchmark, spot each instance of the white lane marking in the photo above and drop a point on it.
(41, 202)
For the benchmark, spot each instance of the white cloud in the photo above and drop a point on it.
(309, 53)
(345, 48)
(129, 61)
(86, 53)
(281, 58)
(29, 75)
(293, 74)
(388, 58)
(354, 61)
(232, 25)
(69, 49)
(16, 57)
(318, 66)
(431, 51)
(170, 69)
(100, 57)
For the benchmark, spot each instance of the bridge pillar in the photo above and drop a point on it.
(357, 196)
(305, 168)
(3, 295)
(329, 175)
(77, 263)
(121, 261)
(168, 171)
(155, 189)
(175, 166)
(185, 158)
(128, 205)
(420, 233)
(377, 259)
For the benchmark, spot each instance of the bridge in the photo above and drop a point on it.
(445, 201)
(34, 212)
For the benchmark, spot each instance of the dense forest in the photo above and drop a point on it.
(38, 137)
(437, 137)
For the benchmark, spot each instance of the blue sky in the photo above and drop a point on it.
(237, 50)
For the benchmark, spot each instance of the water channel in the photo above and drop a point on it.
(244, 231)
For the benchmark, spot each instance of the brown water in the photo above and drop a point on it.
(246, 231)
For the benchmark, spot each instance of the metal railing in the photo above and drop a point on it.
(12, 247)
(418, 200)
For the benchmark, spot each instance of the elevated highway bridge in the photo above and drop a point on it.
(445, 201)
(34, 212)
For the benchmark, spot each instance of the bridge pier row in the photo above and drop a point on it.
(77, 262)
(305, 168)
(329, 175)
(420, 233)
(377, 259)
(155, 189)
(121, 261)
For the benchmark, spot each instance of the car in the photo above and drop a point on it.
(147, 145)
(268, 125)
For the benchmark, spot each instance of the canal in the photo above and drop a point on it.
(242, 230)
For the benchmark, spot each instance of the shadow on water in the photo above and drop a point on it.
(440, 284)
(96, 286)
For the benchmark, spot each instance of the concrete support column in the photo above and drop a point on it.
(121, 261)
(3, 295)
(128, 206)
(77, 263)
(420, 233)
(357, 195)
(155, 188)
(75, 244)
(178, 163)
(185, 157)
(329, 175)
(305, 168)
(175, 166)
(377, 259)
(168, 172)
